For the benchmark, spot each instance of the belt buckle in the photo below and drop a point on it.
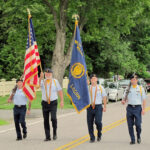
(133, 105)
(19, 105)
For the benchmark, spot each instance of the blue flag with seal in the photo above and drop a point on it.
(78, 87)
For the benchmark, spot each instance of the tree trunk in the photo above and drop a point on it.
(58, 72)
(58, 60)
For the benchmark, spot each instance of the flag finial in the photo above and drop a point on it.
(76, 17)
(28, 10)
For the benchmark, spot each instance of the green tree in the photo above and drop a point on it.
(14, 27)
(113, 34)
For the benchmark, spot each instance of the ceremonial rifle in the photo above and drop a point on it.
(127, 91)
(14, 89)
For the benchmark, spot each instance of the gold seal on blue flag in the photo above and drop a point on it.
(77, 70)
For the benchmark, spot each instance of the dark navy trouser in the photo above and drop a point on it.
(94, 115)
(47, 109)
(19, 118)
(134, 117)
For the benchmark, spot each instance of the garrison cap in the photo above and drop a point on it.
(93, 75)
(48, 70)
(133, 76)
(19, 80)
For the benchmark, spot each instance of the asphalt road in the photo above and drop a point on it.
(73, 132)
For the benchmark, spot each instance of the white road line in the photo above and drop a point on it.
(66, 115)
(41, 119)
(3, 131)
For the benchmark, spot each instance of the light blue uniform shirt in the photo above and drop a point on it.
(135, 97)
(20, 98)
(99, 95)
(54, 90)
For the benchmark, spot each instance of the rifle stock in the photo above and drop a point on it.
(127, 92)
(14, 90)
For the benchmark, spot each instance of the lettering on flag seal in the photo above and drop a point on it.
(77, 70)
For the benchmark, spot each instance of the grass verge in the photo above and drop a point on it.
(36, 104)
(3, 122)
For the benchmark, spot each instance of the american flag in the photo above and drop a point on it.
(32, 60)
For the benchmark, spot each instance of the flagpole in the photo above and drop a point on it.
(41, 67)
(29, 16)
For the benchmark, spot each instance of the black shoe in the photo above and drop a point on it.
(18, 139)
(132, 142)
(24, 135)
(54, 137)
(98, 139)
(92, 141)
(139, 140)
(47, 139)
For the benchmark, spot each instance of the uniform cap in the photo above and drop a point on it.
(19, 80)
(48, 70)
(93, 75)
(133, 76)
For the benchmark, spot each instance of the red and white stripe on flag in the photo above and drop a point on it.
(37, 53)
(32, 60)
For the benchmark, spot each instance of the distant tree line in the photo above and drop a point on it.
(115, 35)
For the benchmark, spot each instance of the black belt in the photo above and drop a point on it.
(50, 101)
(133, 105)
(20, 105)
(96, 105)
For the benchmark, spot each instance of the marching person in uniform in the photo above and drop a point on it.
(50, 87)
(94, 112)
(20, 101)
(135, 97)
